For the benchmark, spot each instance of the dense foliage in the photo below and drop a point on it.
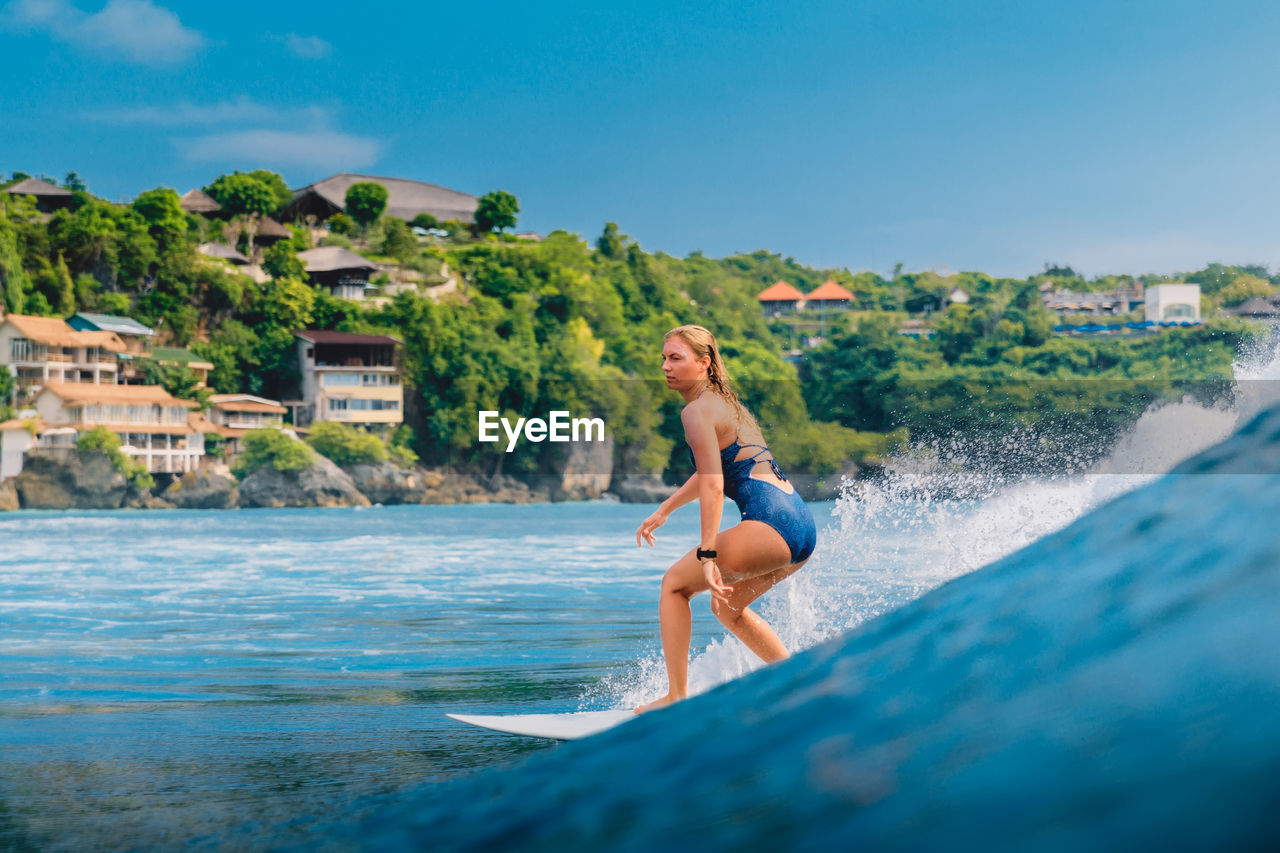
(366, 201)
(103, 440)
(261, 447)
(564, 324)
(345, 445)
(496, 210)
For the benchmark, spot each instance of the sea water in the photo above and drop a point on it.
(236, 678)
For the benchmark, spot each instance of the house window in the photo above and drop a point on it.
(376, 405)
(337, 405)
(20, 349)
(330, 379)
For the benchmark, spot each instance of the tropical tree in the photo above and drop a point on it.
(66, 288)
(399, 241)
(162, 210)
(281, 190)
(496, 210)
(280, 261)
(365, 202)
(243, 194)
(611, 243)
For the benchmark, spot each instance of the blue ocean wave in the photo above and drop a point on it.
(1113, 685)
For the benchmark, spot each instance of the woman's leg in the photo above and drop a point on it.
(749, 553)
(752, 554)
(681, 582)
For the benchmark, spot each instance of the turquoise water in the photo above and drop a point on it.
(238, 679)
(185, 675)
(1112, 686)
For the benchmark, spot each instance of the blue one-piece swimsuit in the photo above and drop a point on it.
(759, 500)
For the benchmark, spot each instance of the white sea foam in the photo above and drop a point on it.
(892, 540)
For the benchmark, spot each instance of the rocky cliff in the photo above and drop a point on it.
(322, 484)
(66, 478)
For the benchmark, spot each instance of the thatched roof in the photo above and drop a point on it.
(37, 423)
(270, 229)
(331, 258)
(87, 392)
(245, 403)
(405, 198)
(53, 331)
(780, 291)
(1255, 307)
(196, 201)
(226, 253)
(37, 187)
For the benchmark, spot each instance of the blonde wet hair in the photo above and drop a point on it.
(700, 340)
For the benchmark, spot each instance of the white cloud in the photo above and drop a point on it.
(137, 30)
(320, 149)
(186, 114)
(247, 131)
(308, 47)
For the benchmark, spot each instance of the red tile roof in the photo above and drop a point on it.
(829, 290)
(780, 292)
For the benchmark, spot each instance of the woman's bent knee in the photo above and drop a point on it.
(673, 583)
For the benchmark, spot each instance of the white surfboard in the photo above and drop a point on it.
(553, 726)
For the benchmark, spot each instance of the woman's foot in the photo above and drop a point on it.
(657, 703)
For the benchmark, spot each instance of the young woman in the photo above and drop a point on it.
(773, 540)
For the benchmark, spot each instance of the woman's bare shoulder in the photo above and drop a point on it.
(709, 410)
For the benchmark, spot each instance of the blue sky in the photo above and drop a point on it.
(995, 136)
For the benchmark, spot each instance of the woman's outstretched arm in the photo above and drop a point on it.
(682, 495)
(679, 498)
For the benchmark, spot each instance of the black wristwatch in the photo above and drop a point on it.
(706, 555)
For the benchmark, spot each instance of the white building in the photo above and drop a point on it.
(41, 350)
(161, 431)
(233, 415)
(354, 379)
(1173, 303)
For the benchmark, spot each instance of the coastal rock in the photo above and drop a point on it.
(444, 487)
(137, 498)
(202, 490)
(8, 496)
(66, 478)
(642, 489)
(584, 472)
(384, 483)
(323, 484)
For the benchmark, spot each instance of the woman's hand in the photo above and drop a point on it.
(651, 524)
(719, 592)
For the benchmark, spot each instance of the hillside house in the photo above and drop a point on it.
(780, 298)
(154, 427)
(1173, 303)
(829, 296)
(405, 199)
(196, 201)
(354, 379)
(340, 271)
(233, 415)
(48, 196)
(40, 350)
